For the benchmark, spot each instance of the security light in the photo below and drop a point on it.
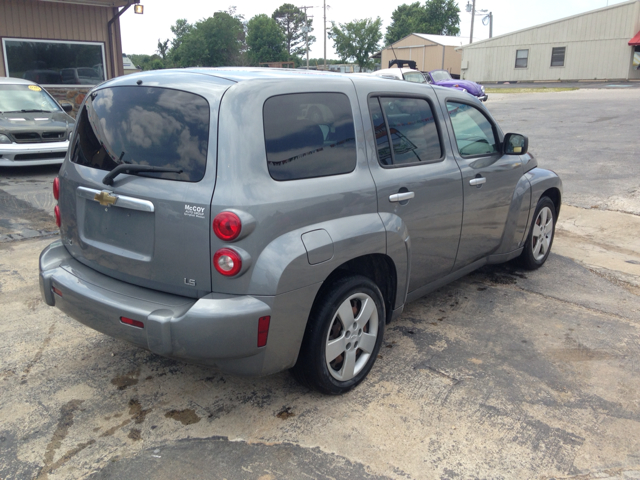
(138, 9)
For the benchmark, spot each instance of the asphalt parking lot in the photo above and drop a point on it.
(504, 374)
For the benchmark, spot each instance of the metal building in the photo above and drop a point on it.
(597, 45)
(430, 52)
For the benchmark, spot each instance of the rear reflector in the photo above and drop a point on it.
(56, 291)
(132, 322)
(263, 330)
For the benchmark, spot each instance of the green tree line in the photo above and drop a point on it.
(227, 39)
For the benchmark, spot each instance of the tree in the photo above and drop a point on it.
(405, 20)
(212, 42)
(291, 21)
(180, 30)
(265, 40)
(163, 48)
(443, 17)
(437, 17)
(357, 40)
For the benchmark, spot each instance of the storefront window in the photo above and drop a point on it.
(636, 57)
(52, 62)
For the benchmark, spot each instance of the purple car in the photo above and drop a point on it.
(444, 79)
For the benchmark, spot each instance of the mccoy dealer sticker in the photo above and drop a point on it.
(193, 211)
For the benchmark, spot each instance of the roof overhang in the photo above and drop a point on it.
(97, 3)
(635, 41)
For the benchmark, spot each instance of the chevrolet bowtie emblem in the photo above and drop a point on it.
(105, 198)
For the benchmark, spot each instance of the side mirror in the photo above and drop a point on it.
(515, 144)
(67, 107)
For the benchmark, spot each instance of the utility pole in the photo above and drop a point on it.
(306, 32)
(324, 33)
(490, 24)
(473, 15)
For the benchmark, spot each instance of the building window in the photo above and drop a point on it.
(522, 57)
(557, 56)
(51, 62)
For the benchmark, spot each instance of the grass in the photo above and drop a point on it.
(530, 90)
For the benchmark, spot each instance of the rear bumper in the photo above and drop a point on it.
(29, 154)
(218, 330)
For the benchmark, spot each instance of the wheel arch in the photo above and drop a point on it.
(377, 267)
(556, 197)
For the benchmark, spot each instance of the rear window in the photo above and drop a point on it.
(309, 135)
(144, 126)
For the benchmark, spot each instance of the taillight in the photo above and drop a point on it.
(227, 262)
(56, 188)
(132, 322)
(56, 210)
(227, 226)
(263, 330)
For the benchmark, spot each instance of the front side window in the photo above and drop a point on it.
(55, 62)
(144, 126)
(25, 98)
(473, 131)
(557, 56)
(522, 58)
(410, 125)
(309, 135)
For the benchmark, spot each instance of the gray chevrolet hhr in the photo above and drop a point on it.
(259, 220)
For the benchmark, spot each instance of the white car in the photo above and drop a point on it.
(34, 128)
(407, 74)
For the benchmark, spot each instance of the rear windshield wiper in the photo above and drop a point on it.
(134, 170)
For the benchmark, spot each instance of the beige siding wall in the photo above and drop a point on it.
(426, 54)
(596, 48)
(57, 21)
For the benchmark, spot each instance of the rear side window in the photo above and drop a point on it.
(144, 126)
(411, 126)
(309, 135)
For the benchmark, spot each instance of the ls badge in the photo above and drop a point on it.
(190, 281)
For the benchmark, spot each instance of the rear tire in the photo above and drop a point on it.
(540, 238)
(343, 336)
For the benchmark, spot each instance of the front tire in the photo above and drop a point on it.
(343, 336)
(540, 238)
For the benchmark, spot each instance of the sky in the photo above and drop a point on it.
(140, 33)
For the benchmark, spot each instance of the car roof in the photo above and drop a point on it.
(15, 81)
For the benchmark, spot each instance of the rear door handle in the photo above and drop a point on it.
(401, 197)
(477, 181)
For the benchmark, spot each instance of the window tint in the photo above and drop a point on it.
(412, 129)
(557, 56)
(474, 133)
(522, 58)
(309, 135)
(144, 126)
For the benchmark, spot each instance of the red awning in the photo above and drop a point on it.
(635, 40)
